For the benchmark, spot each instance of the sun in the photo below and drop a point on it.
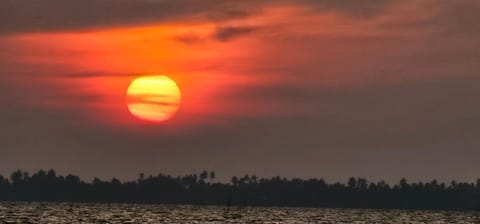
(153, 98)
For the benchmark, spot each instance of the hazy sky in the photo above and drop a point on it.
(306, 88)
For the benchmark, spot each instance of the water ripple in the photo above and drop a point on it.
(23, 212)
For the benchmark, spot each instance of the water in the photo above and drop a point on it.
(20, 212)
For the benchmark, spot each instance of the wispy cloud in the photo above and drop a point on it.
(230, 32)
(54, 15)
(189, 38)
(51, 15)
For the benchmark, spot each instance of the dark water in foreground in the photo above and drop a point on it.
(19, 212)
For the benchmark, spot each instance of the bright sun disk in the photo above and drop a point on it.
(153, 98)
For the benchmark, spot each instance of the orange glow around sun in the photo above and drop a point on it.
(153, 98)
(98, 67)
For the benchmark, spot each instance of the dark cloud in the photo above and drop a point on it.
(351, 7)
(223, 33)
(459, 18)
(230, 32)
(51, 15)
(91, 75)
(446, 18)
(189, 38)
(31, 15)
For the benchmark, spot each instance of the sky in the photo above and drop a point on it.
(305, 88)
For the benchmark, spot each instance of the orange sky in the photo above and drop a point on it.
(215, 75)
(290, 87)
(103, 63)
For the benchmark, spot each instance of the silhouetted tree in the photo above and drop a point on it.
(246, 190)
(212, 175)
(234, 181)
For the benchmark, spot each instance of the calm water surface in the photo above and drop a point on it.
(19, 212)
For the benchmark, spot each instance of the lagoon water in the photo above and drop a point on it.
(22, 212)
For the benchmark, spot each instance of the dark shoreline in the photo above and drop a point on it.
(233, 207)
(247, 191)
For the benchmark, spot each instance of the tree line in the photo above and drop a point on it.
(248, 190)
